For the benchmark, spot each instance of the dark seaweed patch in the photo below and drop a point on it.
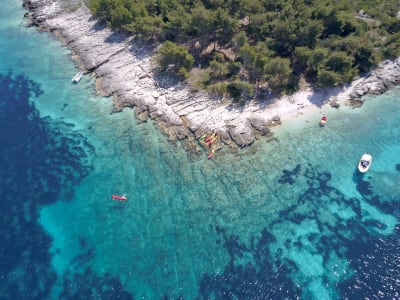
(364, 187)
(91, 286)
(288, 176)
(270, 275)
(40, 159)
(259, 279)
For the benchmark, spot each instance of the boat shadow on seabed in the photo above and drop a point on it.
(363, 185)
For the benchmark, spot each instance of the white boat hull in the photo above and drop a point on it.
(365, 163)
(77, 77)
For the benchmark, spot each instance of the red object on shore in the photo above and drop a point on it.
(119, 197)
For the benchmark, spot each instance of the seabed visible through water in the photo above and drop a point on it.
(282, 219)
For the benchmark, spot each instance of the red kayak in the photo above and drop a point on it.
(211, 154)
(119, 197)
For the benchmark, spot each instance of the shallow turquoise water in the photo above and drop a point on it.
(286, 218)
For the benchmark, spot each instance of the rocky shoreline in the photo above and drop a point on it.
(123, 68)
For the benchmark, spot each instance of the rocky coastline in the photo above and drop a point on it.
(123, 69)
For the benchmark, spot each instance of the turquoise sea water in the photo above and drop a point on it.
(289, 218)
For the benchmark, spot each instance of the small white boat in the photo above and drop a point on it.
(365, 163)
(77, 77)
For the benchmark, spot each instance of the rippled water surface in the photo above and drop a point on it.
(286, 218)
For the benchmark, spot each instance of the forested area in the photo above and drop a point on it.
(244, 46)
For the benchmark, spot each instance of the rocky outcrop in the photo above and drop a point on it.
(264, 126)
(242, 135)
(379, 80)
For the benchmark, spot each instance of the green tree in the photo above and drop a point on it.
(392, 25)
(238, 41)
(364, 57)
(254, 59)
(240, 90)
(252, 7)
(284, 36)
(327, 78)
(219, 70)
(120, 16)
(330, 17)
(138, 10)
(248, 55)
(341, 63)
(317, 60)
(301, 57)
(309, 33)
(101, 8)
(178, 24)
(201, 23)
(171, 55)
(391, 47)
(149, 27)
(222, 27)
(219, 88)
(277, 72)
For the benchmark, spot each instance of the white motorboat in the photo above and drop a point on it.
(365, 163)
(77, 77)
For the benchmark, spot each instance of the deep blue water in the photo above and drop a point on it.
(285, 219)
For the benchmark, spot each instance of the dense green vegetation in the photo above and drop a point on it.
(241, 46)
